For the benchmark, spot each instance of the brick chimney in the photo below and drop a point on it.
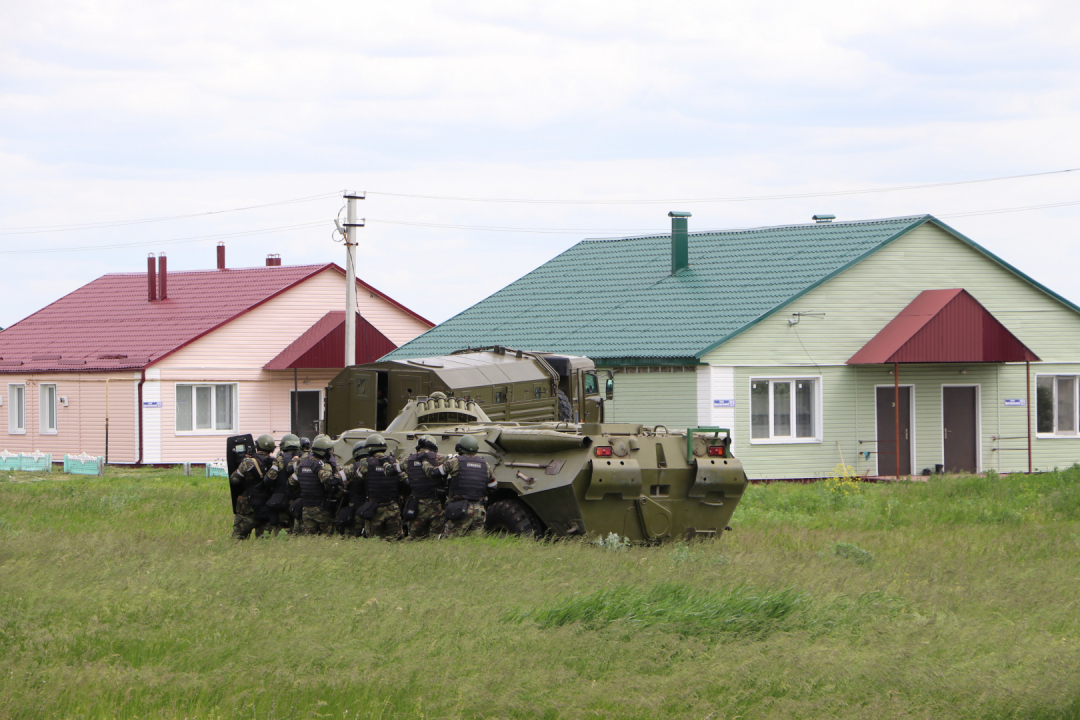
(221, 256)
(163, 275)
(151, 279)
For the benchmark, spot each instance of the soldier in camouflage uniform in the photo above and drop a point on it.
(251, 513)
(383, 486)
(470, 480)
(277, 477)
(424, 490)
(350, 525)
(316, 481)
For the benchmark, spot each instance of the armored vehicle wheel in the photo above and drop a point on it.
(566, 410)
(512, 516)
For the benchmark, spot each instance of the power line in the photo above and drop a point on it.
(147, 243)
(35, 230)
(1015, 209)
(497, 228)
(483, 228)
(748, 198)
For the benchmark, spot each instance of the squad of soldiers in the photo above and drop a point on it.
(375, 495)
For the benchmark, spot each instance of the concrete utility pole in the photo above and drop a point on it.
(351, 226)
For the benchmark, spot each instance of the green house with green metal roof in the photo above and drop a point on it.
(892, 346)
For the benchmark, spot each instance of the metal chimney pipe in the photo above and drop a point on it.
(163, 274)
(221, 256)
(680, 242)
(151, 279)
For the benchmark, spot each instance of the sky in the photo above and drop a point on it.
(114, 111)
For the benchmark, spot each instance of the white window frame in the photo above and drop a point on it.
(43, 429)
(213, 408)
(1076, 407)
(13, 427)
(786, 439)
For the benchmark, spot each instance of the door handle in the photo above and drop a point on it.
(905, 433)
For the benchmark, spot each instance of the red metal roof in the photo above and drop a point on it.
(109, 324)
(943, 326)
(323, 345)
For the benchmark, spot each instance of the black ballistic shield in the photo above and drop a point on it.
(237, 448)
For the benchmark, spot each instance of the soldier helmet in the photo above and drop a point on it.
(290, 442)
(426, 442)
(437, 395)
(321, 447)
(266, 443)
(467, 445)
(305, 443)
(375, 441)
(359, 450)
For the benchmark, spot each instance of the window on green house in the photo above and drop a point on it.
(784, 409)
(1057, 402)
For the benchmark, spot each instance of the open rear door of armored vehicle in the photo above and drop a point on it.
(237, 448)
(353, 401)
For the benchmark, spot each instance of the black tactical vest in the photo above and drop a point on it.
(257, 493)
(420, 484)
(281, 482)
(471, 479)
(381, 488)
(312, 492)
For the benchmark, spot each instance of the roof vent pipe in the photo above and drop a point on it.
(680, 242)
(162, 276)
(221, 256)
(151, 279)
(824, 218)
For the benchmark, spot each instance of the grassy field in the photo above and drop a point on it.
(958, 597)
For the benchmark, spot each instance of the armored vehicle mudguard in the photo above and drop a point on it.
(570, 479)
(237, 448)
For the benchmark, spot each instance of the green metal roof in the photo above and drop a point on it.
(618, 299)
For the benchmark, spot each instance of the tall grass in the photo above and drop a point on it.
(123, 597)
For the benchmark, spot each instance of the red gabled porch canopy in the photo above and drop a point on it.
(323, 345)
(943, 326)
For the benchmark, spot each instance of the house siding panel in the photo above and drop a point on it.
(80, 425)
(656, 398)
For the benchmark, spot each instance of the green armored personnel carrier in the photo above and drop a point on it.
(571, 479)
(510, 385)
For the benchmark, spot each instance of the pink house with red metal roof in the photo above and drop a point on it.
(160, 367)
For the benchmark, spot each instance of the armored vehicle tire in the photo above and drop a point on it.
(566, 410)
(514, 517)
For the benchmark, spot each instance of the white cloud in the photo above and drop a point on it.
(122, 109)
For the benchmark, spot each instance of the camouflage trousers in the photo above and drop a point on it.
(473, 521)
(428, 520)
(353, 528)
(317, 522)
(385, 523)
(244, 520)
(279, 521)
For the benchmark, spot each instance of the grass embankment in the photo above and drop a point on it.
(124, 597)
